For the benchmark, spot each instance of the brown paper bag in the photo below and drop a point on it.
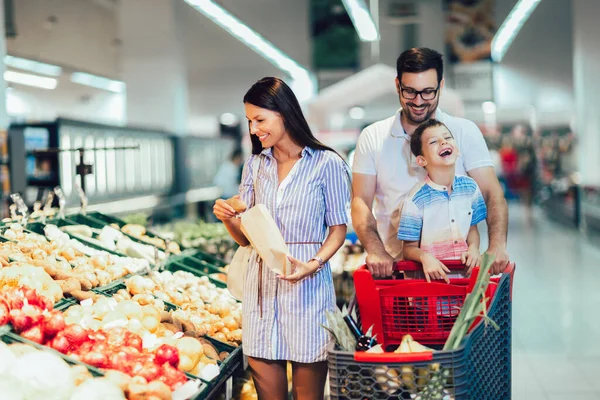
(264, 235)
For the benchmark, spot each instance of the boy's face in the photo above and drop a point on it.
(438, 147)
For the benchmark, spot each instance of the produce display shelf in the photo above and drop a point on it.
(176, 265)
(105, 219)
(111, 290)
(198, 263)
(81, 219)
(203, 256)
(38, 227)
(235, 353)
(10, 337)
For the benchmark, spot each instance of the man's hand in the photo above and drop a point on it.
(434, 268)
(380, 265)
(501, 260)
(471, 258)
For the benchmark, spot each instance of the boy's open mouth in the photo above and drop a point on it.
(445, 153)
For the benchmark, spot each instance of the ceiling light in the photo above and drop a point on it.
(228, 119)
(304, 84)
(356, 113)
(511, 27)
(488, 107)
(362, 20)
(32, 66)
(98, 82)
(22, 78)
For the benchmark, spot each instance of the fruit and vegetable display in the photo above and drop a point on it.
(210, 237)
(73, 267)
(148, 331)
(210, 310)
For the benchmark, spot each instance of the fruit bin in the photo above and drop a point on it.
(228, 365)
(9, 337)
(98, 221)
(206, 257)
(105, 219)
(479, 369)
(194, 268)
(38, 227)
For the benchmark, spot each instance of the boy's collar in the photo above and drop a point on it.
(435, 186)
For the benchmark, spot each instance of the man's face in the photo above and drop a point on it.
(417, 109)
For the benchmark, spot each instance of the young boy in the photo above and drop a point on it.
(439, 217)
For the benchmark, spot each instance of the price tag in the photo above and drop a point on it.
(13, 212)
(150, 341)
(87, 303)
(82, 198)
(21, 207)
(118, 323)
(178, 335)
(47, 206)
(62, 201)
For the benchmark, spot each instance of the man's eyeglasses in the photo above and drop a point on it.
(426, 94)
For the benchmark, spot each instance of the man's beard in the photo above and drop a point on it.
(417, 119)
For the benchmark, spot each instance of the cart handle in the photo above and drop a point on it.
(406, 265)
(363, 356)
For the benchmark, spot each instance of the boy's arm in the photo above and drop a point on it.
(473, 238)
(432, 267)
(471, 258)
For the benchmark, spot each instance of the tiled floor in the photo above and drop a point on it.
(556, 311)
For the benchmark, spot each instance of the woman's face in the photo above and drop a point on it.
(267, 125)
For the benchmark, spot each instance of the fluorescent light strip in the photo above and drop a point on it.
(30, 80)
(362, 20)
(98, 82)
(303, 85)
(32, 66)
(511, 27)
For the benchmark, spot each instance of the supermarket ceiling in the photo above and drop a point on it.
(84, 35)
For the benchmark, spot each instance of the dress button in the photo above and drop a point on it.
(456, 242)
(469, 212)
(452, 220)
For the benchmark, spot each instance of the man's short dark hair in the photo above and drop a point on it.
(420, 59)
(416, 142)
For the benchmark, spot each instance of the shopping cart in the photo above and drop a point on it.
(479, 369)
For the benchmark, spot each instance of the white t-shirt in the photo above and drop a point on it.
(383, 149)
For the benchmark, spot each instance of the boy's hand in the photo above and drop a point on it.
(434, 269)
(471, 258)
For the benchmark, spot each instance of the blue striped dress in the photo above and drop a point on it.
(313, 196)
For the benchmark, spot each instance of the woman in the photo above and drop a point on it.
(305, 186)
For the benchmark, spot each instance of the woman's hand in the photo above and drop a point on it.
(300, 270)
(224, 211)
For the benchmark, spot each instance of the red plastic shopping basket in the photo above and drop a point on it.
(427, 311)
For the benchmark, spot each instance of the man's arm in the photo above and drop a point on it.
(379, 262)
(497, 211)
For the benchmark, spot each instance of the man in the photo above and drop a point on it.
(384, 169)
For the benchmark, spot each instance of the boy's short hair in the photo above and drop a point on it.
(416, 144)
